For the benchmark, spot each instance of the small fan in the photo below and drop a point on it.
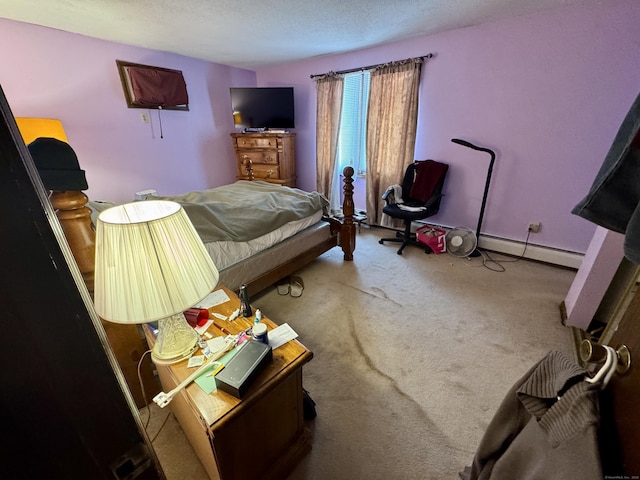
(460, 241)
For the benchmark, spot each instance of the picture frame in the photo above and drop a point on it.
(150, 87)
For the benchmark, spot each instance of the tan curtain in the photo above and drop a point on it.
(329, 107)
(391, 129)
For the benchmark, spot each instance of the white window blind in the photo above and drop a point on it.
(353, 123)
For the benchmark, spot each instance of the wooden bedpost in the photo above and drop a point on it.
(75, 219)
(248, 166)
(348, 230)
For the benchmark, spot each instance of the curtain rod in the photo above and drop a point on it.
(370, 67)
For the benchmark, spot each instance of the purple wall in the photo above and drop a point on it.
(547, 92)
(50, 73)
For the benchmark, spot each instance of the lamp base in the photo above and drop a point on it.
(176, 340)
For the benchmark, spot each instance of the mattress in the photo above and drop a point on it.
(271, 258)
(227, 253)
(230, 257)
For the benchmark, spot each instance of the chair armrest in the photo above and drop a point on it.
(389, 196)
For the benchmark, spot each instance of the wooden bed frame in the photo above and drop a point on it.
(343, 234)
(75, 219)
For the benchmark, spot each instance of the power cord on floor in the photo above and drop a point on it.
(146, 401)
(144, 393)
(164, 422)
(488, 260)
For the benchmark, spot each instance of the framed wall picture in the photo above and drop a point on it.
(146, 86)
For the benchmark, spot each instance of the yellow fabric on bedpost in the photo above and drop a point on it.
(32, 128)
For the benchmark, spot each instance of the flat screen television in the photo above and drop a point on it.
(263, 107)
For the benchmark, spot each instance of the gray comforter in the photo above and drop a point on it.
(245, 210)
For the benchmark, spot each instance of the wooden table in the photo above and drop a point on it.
(260, 436)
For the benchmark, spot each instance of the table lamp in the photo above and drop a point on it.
(152, 266)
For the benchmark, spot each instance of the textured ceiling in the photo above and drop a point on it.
(250, 33)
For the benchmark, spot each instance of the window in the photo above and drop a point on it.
(352, 139)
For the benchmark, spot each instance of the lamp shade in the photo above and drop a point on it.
(150, 263)
(32, 128)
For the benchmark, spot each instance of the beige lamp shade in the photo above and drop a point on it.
(150, 263)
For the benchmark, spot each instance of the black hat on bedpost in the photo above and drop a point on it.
(57, 164)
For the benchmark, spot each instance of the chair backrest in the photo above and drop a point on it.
(423, 180)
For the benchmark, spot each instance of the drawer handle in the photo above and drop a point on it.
(269, 173)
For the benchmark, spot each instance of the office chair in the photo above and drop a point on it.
(421, 192)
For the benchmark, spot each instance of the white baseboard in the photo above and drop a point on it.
(535, 252)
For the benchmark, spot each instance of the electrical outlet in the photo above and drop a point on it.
(534, 227)
(144, 117)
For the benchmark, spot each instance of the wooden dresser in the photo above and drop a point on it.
(267, 156)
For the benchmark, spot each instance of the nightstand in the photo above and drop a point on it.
(261, 435)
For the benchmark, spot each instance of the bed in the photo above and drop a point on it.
(258, 270)
(257, 232)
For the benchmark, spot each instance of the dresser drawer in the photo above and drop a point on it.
(256, 142)
(257, 157)
(263, 172)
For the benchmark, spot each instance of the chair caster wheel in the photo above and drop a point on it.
(399, 252)
(381, 242)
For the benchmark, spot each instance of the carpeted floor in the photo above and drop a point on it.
(412, 356)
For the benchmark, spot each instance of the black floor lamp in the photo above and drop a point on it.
(486, 186)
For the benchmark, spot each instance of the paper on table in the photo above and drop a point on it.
(195, 361)
(206, 381)
(281, 335)
(217, 344)
(216, 297)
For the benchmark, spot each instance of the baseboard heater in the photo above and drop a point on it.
(554, 256)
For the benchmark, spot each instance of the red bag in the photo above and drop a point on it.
(433, 237)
